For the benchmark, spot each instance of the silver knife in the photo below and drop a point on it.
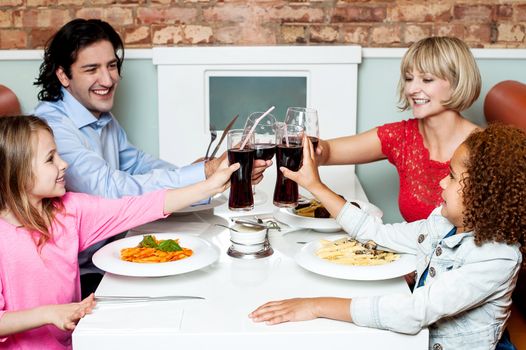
(228, 127)
(142, 299)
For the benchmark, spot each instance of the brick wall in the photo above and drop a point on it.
(27, 24)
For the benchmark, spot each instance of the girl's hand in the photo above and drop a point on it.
(275, 312)
(213, 164)
(308, 176)
(302, 309)
(66, 316)
(220, 180)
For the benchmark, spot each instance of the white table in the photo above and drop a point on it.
(232, 288)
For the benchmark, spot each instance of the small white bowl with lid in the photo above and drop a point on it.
(247, 239)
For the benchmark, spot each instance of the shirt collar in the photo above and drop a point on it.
(456, 239)
(80, 115)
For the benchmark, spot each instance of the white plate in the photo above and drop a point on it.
(216, 201)
(287, 216)
(108, 257)
(308, 259)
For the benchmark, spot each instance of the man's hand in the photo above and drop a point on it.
(260, 166)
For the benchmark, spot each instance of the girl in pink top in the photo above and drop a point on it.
(43, 228)
(439, 79)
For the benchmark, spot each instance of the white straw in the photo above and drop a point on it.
(254, 127)
(286, 136)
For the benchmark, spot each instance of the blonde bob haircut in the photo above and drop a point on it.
(446, 58)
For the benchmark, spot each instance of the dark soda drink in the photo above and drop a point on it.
(264, 151)
(286, 190)
(241, 197)
(314, 141)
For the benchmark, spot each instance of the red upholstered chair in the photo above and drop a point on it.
(506, 103)
(9, 104)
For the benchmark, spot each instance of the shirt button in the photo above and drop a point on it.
(437, 346)
(421, 238)
(432, 273)
(438, 251)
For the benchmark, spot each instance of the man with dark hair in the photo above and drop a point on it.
(79, 77)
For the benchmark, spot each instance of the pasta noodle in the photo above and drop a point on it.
(351, 252)
(142, 254)
(314, 209)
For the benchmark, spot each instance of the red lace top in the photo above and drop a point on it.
(419, 175)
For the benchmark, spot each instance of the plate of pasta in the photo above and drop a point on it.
(312, 215)
(156, 255)
(345, 258)
(289, 217)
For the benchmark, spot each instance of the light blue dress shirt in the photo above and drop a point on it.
(101, 159)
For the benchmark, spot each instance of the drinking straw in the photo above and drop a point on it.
(286, 135)
(254, 127)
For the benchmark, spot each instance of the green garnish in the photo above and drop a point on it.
(168, 245)
(148, 242)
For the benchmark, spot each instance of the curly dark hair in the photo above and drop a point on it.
(62, 50)
(495, 187)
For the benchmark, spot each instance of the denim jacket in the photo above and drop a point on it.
(465, 302)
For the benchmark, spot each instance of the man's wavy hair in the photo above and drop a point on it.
(62, 50)
(495, 186)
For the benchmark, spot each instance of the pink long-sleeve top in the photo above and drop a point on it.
(31, 278)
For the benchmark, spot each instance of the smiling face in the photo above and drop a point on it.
(48, 169)
(452, 185)
(426, 93)
(94, 77)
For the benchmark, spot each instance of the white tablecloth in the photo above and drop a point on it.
(232, 288)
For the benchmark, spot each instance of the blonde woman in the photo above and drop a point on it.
(439, 79)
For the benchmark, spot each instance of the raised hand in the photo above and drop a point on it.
(220, 179)
(308, 176)
(260, 166)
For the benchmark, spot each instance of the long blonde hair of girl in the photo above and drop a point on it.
(17, 178)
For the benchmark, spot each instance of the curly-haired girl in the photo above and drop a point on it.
(468, 251)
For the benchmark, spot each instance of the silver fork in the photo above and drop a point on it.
(213, 135)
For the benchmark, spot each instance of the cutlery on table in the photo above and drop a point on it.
(141, 299)
(213, 135)
(228, 127)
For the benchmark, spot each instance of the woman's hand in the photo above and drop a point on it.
(66, 316)
(307, 176)
(303, 309)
